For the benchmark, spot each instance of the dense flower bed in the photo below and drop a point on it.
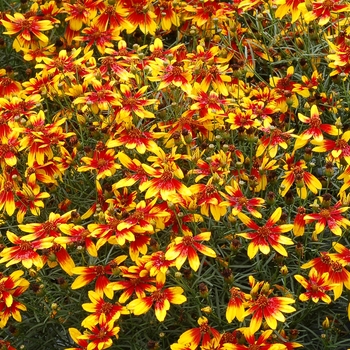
(174, 174)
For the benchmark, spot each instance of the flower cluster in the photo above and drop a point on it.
(174, 174)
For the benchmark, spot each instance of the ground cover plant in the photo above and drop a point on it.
(174, 174)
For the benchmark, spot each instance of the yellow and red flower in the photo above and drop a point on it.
(236, 305)
(266, 236)
(160, 298)
(186, 247)
(28, 30)
(316, 287)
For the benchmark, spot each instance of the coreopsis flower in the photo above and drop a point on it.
(38, 53)
(299, 222)
(81, 12)
(186, 247)
(266, 236)
(261, 168)
(113, 16)
(112, 231)
(99, 307)
(173, 72)
(57, 255)
(166, 14)
(99, 272)
(140, 15)
(263, 307)
(209, 199)
(343, 253)
(77, 235)
(28, 30)
(11, 287)
(24, 251)
(8, 187)
(272, 139)
(296, 173)
(324, 10)
(207, 102)
(136, 280)
(30, 198)
(49, 228)
(40, 138)
(158, 266)
(315, 129)
(8, 149)
(308, 84)
(329, 216)
(242, 119)
(285, 6)
(94, 36)
(261, 343)
(100, 335)
(103, 162)
(316, 287)
(8, 86)
(338, 149)
(203, 13)
(235, 306)
(101, 98)
(160, 298)
(163, 183)
(338, 275)
(199, 335)
(76, 336)
(284, 89)
(6, 345)
(236, 200)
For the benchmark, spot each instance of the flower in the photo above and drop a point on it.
(186, 247)
(316, 286)
(101, 308)
(24, 251)
(331, 217)
(98, 272)
(235, 306)
(103, 161)
(262, 306)
(296, 173)
(27, 30)
(100, 335)
(199, 335)
(265, 236)
(315, 128)
(161, 298)
(285, 6)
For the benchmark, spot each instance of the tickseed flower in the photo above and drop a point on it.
(28, 30)
(199, 335)
(77, 235)
(76, 336)
(316, 287)
(103, 161)
(325, 10)
(338, 149)
(295, 172)
(24, 251)
(261, 343)
(315, 128)
(262, 306)
(338, 275)
(265, 236)
(160, 298)
(100, 335)
(166, 14)
(285, 6)
(11, 287)
(98, 272)
(329, 216)
(186, 247)
(136, 279)
(236, 201)
(140, 15)
(235, 306)
(99, 307)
